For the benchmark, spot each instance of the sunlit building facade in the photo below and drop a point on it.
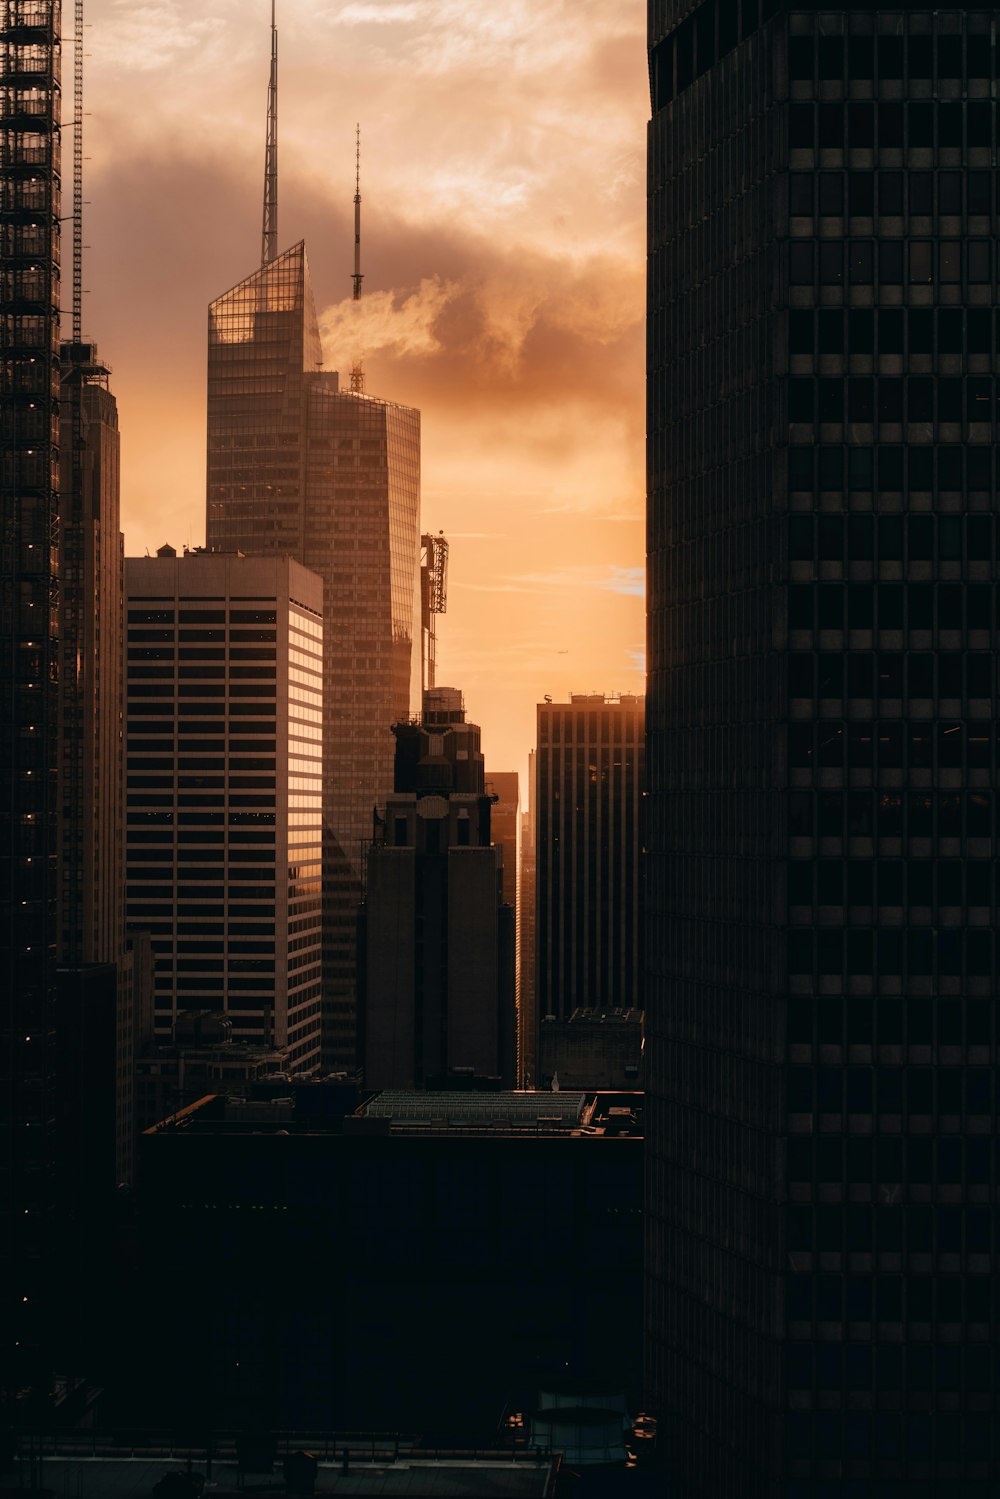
(821, 1040)
(224, 791)
(331, 477)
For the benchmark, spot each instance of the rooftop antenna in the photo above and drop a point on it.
(357, 371)
(269, 231)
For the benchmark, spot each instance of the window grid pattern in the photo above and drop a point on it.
(821, 896)
(224, 793)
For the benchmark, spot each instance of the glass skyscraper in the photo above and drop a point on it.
(331, 477)
(821, 958)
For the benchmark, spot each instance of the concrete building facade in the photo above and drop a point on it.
(224, 790)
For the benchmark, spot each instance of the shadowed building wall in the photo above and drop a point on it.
(821, 1043)
(224, 822)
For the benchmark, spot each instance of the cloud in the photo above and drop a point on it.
(630, 580)
(387, 323)
(503, 249)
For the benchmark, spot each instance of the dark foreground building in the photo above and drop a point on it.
(30, 113)
(413, 1267)
(821, 1052)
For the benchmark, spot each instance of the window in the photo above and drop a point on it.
(861, 194)
(921, 262)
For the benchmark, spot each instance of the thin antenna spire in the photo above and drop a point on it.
(357, 371)
(358, 276)
(269, 231)
(78, 172)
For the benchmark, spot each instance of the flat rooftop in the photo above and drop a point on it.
(528, 1112)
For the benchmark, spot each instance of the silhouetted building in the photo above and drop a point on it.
(30, 114)
(527, 1018)
(438, 934)
(91, 904)
(505, 831)
(203, 1057)
(591, 1049)
(821, 1048)
(297, 466)
(589, 787)
(224, 737)
(91, 676)
(496, 1234)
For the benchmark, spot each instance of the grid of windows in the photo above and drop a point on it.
(822, 611)
(220, 870)
(589, 765)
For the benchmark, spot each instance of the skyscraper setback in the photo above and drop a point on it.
(331, 477)
(822, 973)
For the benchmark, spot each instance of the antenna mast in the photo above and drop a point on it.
(78, 172)
(357, 277)
(357, 370)
(269, 231)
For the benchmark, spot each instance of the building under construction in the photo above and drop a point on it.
(30, 114)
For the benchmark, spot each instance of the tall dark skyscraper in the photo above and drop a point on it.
(30, 113)
(331, 477)
(821, 1027)
(91, 676)
(589, 778)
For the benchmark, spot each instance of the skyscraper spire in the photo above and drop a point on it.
(269, 232)
(358, 277)
(357, 370)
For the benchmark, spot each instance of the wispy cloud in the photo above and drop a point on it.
(631, 580)
(387, 323)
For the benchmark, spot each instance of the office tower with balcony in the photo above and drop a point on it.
(30, 113)
(589, 780)
(821, 969)
(224, 748)
(437, 930)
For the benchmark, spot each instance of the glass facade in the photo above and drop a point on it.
(30, 112)
(224, 792)
(821, 902)
(331, 477)
(262, 339)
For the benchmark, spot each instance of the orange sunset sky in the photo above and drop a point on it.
(503, 185)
